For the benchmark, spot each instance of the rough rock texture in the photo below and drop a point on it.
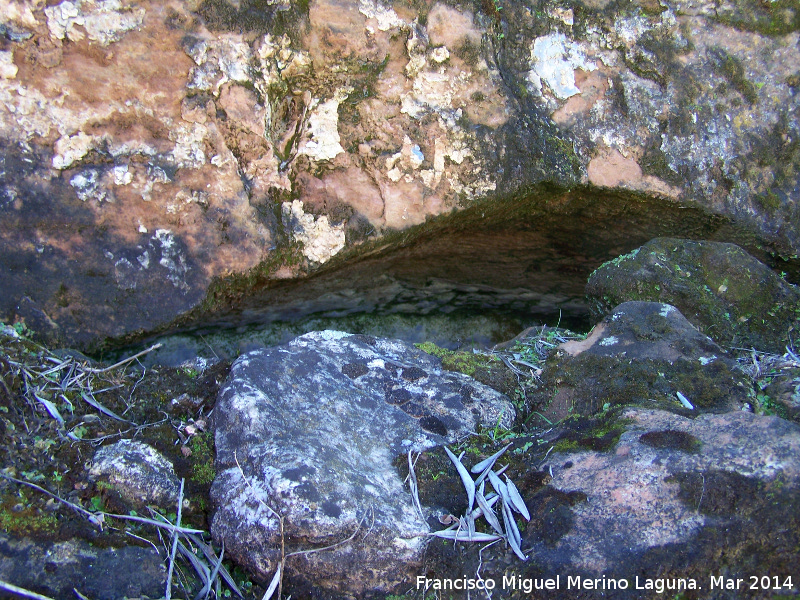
(674, 498)
(783, 389)
(722, 290)
(316, 426)
(138, 472)
(643, 352)
(54, 569)
(149, 147)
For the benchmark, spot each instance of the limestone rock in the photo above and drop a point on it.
(202, 119)
(138, 472)
(674, 499)
(644, 353)
(54, 569)
(316, 426)
(722, 290)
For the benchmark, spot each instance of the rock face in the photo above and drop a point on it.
(55, 569)
(148, 148)
(674, 499)
(316, 427)
(722, 290)
(642, 353)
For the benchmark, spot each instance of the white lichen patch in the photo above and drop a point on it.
(322, 141)
(609, 341)
(553, 61)
(385, 17)
(408, 160)
(630, 29)
(219, 60)
(122, 176)
(172, 258)
(19, 12)
(70, 149)
(666, 310)
(103, 21)
(188, 152)
(88, 185)
(439, 55)
(320, 239)
(276, 60)
(8, 70)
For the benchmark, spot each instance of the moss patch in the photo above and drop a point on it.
(488, 370)
(671, 439)
(21, 518)
(732, 70)
(773, 18)
(202, 458)
(722, 290)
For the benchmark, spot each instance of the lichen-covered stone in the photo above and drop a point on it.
(642, 353)
(654, 507)
(56, 569)
(722, 290)
(315, 426)
(138, 472)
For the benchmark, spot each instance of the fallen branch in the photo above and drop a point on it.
(125, 361)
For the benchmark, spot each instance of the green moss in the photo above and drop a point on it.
(615, 262)
(565, 445)
(769, 201)
(366, 75)
(460, 361)
(488, 370)
(26, 520)
(202, 447)
(773, 18)
(469, 53)
(600, 433)
(732, 70)
(595, 381)
(655, 162)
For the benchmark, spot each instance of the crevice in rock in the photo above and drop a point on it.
(476, 276)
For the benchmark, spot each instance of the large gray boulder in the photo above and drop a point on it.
(311, 431)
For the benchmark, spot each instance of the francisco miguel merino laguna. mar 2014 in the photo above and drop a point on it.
(571, 582)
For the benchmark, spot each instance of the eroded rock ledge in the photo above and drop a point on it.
(150, 147)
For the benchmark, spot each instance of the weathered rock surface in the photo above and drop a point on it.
(675, 498)
(722, 290)
(55, 569)
(316, 427)
(138, 472)
(148, 148)
(643, 353)
(783, 390)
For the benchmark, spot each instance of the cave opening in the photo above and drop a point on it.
(472, 278)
